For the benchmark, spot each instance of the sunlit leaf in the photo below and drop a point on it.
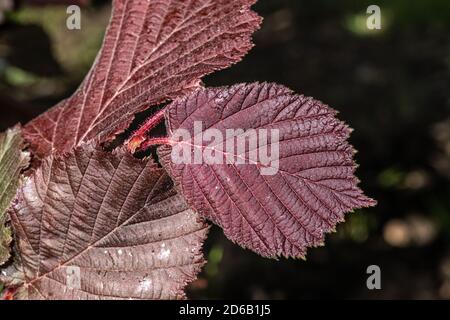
(279, 214)
(152, 51)
(99, 225)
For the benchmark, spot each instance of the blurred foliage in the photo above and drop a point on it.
(391, 86)
(40, 59)
(76, 49)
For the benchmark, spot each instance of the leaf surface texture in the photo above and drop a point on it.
(274, 215)
(12, 161)
(99, 225)
(152, 51)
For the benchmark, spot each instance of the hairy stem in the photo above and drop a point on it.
(152, 122)
(140, 136)
(153, 142)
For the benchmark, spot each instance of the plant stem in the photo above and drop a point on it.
(153, 142)
(140, 136)
(150, 123)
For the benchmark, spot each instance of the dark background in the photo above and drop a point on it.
(392, 86)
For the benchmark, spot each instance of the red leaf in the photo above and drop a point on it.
(274, 215)
(98, 225)
(153, 51)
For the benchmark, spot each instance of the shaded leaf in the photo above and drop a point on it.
(11, 277)
(274, 215)
(5, 242)
(12, 161)
(153, 51)
(98, 225)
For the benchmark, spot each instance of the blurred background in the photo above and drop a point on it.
(391, 85)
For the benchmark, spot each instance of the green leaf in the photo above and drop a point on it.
(12, 161)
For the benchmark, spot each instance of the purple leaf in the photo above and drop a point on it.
(278, 214)
(153, 51)
(98, 225)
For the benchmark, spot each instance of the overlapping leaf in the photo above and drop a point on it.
(275, 215)
(98, 225)
(153, 51)
(12, 161)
